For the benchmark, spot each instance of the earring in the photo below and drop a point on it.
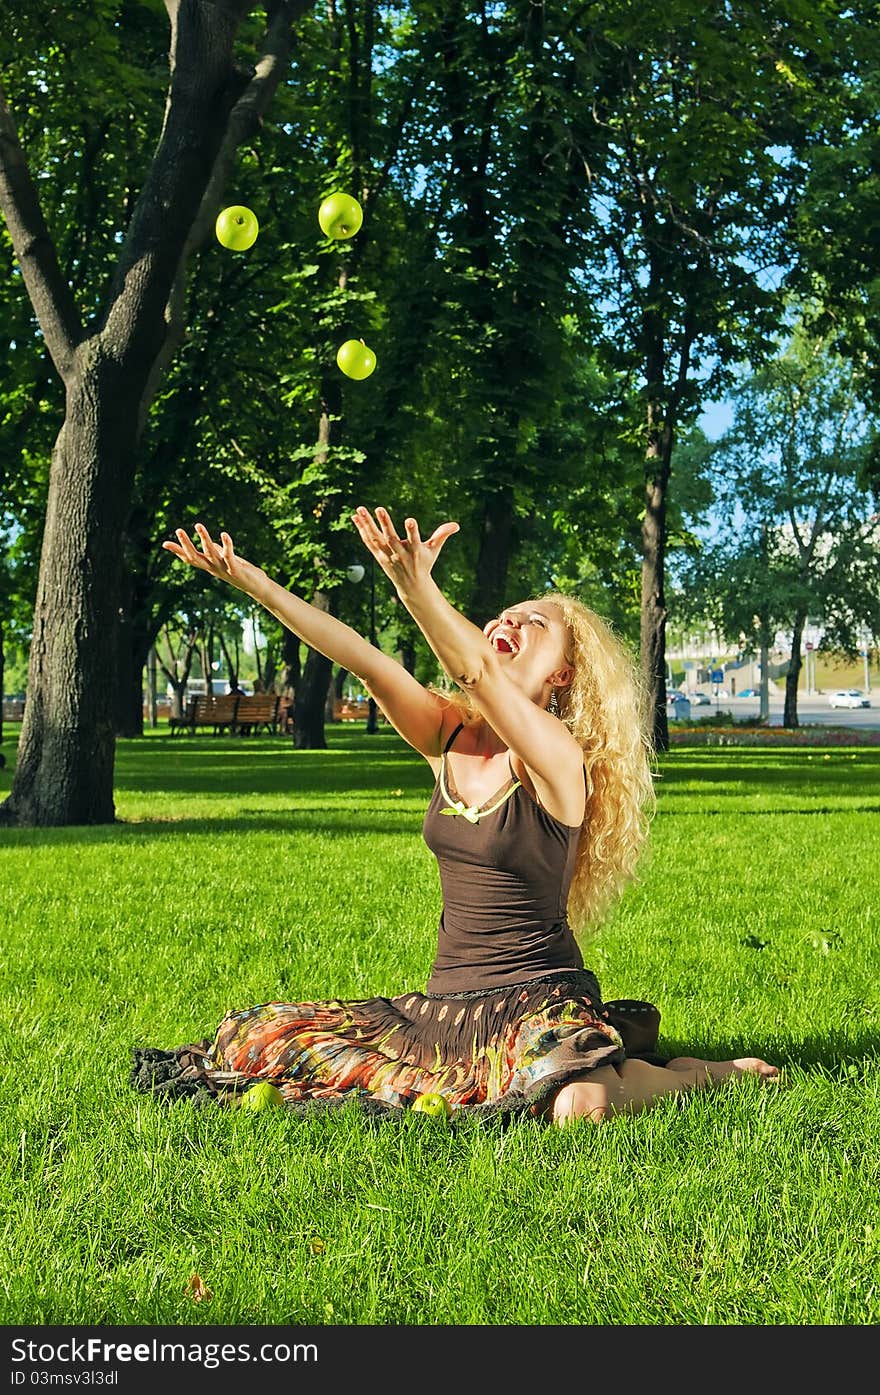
(553, 706)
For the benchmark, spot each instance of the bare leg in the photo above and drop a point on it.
(722, 1070)
(636, 1086)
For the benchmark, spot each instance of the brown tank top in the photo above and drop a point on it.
(505, 871)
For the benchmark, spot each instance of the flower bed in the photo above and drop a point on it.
(742, 735)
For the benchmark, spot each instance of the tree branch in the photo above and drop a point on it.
(244, 118)
(247, 114)
(49, 293)
(204, 85)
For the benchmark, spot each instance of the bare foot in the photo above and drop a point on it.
(711, 1072)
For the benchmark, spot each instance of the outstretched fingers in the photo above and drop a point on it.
(439, 535)
(380, 536)
(184, 548)
(389, 532)
(210, 550)
(208, 557)
(371, 535)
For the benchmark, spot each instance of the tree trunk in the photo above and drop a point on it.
(408, 654)
(178, 697)
(132, 651)
(177, 669)
(111, 374)
(790, 712)
(127, 694)
(270, 672)
(311, 694)
(764, 714)
(232, 663)
(290, 677)
(653, 602)
(308, 708)
(330, 700)
(490, 579)
(334, 694)
(64, 773)
(135, 637)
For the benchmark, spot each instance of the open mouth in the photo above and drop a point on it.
(503, 644)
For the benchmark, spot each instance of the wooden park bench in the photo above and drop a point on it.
(349, 711)
(219, 713)
(344, 711)
(256, 712)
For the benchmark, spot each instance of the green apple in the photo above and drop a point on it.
(263, 1095)
(340, 216)
(355, 359)
(434, 1105)
(237, 227)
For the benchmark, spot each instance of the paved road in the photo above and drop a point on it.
(810, 709)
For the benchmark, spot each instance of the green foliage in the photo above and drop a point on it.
(692, 172)
(560, 213)
(835, 221)
(802, 535)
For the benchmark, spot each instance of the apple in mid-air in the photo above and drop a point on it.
(436, 1106)
(263, 1095)
(340, 216)
(355, 359)
(237, 227)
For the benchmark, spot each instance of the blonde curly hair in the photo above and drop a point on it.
(606, 710)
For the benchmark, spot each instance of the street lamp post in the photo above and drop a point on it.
(356, 573)
(372, 723)
(151, 680)
(865, 656)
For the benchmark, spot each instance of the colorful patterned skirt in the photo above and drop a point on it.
(506, 1050)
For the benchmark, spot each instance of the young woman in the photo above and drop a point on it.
(539, 814)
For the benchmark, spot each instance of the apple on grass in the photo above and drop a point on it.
(355, 359)
(263, 1095)
(340, 216)
(236, 227)
(435, 1105)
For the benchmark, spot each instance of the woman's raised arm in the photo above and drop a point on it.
(414, 712)
(550, 752)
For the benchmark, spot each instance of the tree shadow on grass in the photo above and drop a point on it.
(347, 824)
(856, 768)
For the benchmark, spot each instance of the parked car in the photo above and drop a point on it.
(699, 699)
(750, 692)
(848, 697)
(679, 705)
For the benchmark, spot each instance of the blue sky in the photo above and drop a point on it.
(716, 418)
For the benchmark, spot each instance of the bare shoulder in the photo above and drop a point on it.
(449, 721)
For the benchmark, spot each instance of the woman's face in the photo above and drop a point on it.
(531, 638)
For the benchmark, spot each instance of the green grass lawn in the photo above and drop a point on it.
(243, 871)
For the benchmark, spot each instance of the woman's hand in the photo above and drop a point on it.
(218, 559)
(407, 561)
